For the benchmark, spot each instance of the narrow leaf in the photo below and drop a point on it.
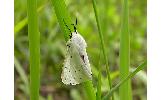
(102, 42)
(34, 48)
(132, 74)
(125, 91)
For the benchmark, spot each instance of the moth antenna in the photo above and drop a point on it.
(76, 22)
(74, 27)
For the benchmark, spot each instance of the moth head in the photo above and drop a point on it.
(75, 26)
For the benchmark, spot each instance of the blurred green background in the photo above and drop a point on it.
(53, 48)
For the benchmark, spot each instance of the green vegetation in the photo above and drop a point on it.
(34, 49)
(123, 81)
(63, 16)
(115, 32)
(125, 91)
(102, 44)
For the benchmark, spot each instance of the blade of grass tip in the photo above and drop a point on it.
(132, 74)
(20, 25)
(34, 48)
(62, 14)
(125, 90)
(102, 43)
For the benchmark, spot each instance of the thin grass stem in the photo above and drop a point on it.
(125, 90)
(102, 43)
(34, 48)
(126, 79)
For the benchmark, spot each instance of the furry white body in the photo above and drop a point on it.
(76, 67)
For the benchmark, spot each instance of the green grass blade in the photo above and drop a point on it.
(62, 14)
(20, 25)
(125, 90)
(89, 90)
(102, 42)
(34, 48)
(124, 80)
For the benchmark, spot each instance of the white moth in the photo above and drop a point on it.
(76, 67)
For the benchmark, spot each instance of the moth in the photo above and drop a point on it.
(76, 68)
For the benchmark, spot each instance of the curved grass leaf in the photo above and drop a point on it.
(140, 67)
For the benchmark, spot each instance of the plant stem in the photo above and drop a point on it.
(62, 14)
(102, 43)
(34, 48)
(125, 89)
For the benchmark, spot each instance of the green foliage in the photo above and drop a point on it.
(98, 94)
(53, 48)
(125, 90)
(22, 74)
(126, 79)
(102, 44)
(24, 22)
(34, 48)
(64, 18)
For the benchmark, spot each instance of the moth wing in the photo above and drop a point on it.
(81, 45)
(78, 66)
(79, 40)
(74, 70)
(67, 76)
(86, 62)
